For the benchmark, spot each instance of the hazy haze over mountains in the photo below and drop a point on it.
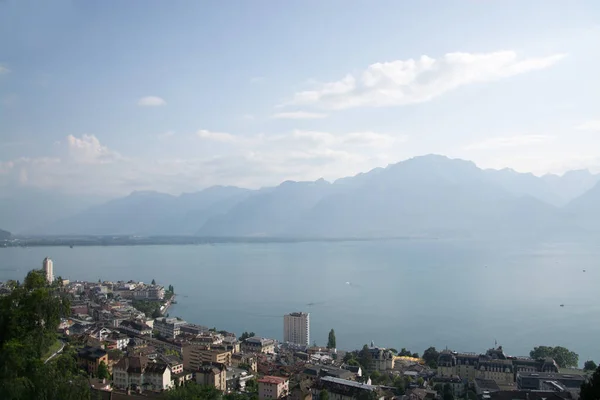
(428, 195)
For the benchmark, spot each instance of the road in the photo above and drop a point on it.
(62, 346)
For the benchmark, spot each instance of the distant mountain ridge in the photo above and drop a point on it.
(427, 195)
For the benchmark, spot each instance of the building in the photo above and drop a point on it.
(456, 384)
(315, 372)
(48, 267)
(548, 380)
(273, 387)
(194, 356)
(138, 371)
(493, 365)
(89, 358)
(257, 344)
(237, 378)
(212, 374)
(382, 359)
(296, 328)
(244, 359)
(168, 327)
(342, 389)
(528, 395)
(139, 328)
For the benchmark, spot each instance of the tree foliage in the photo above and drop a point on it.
(448, 393)
(590, 366)
(430, 356)
(563, 356)
(590, 390)
(193, 391)
(323, 395)
(103, 371)
(29, 318)
(246, 335)
(153, 282)
(365, 358)
(331, 340)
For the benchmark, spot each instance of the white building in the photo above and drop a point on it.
(168, 327)
(48, 269)
(140, 372)
(296, 328)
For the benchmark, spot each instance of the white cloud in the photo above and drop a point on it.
(592, 125)
(88, 150)
(82, 164)
(151, 101)
(509, 141)
(298, 115)
(411, 81)
(216, 136)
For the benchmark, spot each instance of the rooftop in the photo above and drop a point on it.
(348, 383)
(273, 380)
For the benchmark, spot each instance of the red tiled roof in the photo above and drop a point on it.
(275, 380)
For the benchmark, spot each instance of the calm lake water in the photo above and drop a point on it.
(456, 294)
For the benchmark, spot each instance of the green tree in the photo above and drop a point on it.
(430, 356)
(365, 358)
(563, 356)
(405, 353)
(448, 393)
(399, 384)
(331, 340)
(590, 366)
(156, 313)
(590, 390)
(29, 318)
(367, 395)
(193, 391)
(323, 395)
(252, 386)
(103, 371)
(153, 282)
(420, 381)
(246, 335)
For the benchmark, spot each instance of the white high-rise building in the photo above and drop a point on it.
(48, 269)
(296, 328)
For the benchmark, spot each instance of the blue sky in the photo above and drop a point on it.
(106, 97)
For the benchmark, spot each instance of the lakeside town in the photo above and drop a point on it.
(129, 347)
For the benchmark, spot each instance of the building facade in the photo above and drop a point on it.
(133, 372)
(48, 267)
(89, 358)
(257, 344)
(194, 356)
(296, 328)
(212, 374)
(168, 327)
(493, 365)
(273, 387)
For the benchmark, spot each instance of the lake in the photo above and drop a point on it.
(464, 295)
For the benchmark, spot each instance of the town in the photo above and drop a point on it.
(123, 338)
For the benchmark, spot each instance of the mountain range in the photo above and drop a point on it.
(423, 196)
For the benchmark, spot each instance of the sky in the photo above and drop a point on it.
(107, 97)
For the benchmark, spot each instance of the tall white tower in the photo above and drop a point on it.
(48, 269)
(296, 328)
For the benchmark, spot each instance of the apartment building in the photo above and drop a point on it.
(296, 328)
(195, 355)
(168, 328)
(138, 371)
(257, 344)
(273, 387)
(212, 374)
